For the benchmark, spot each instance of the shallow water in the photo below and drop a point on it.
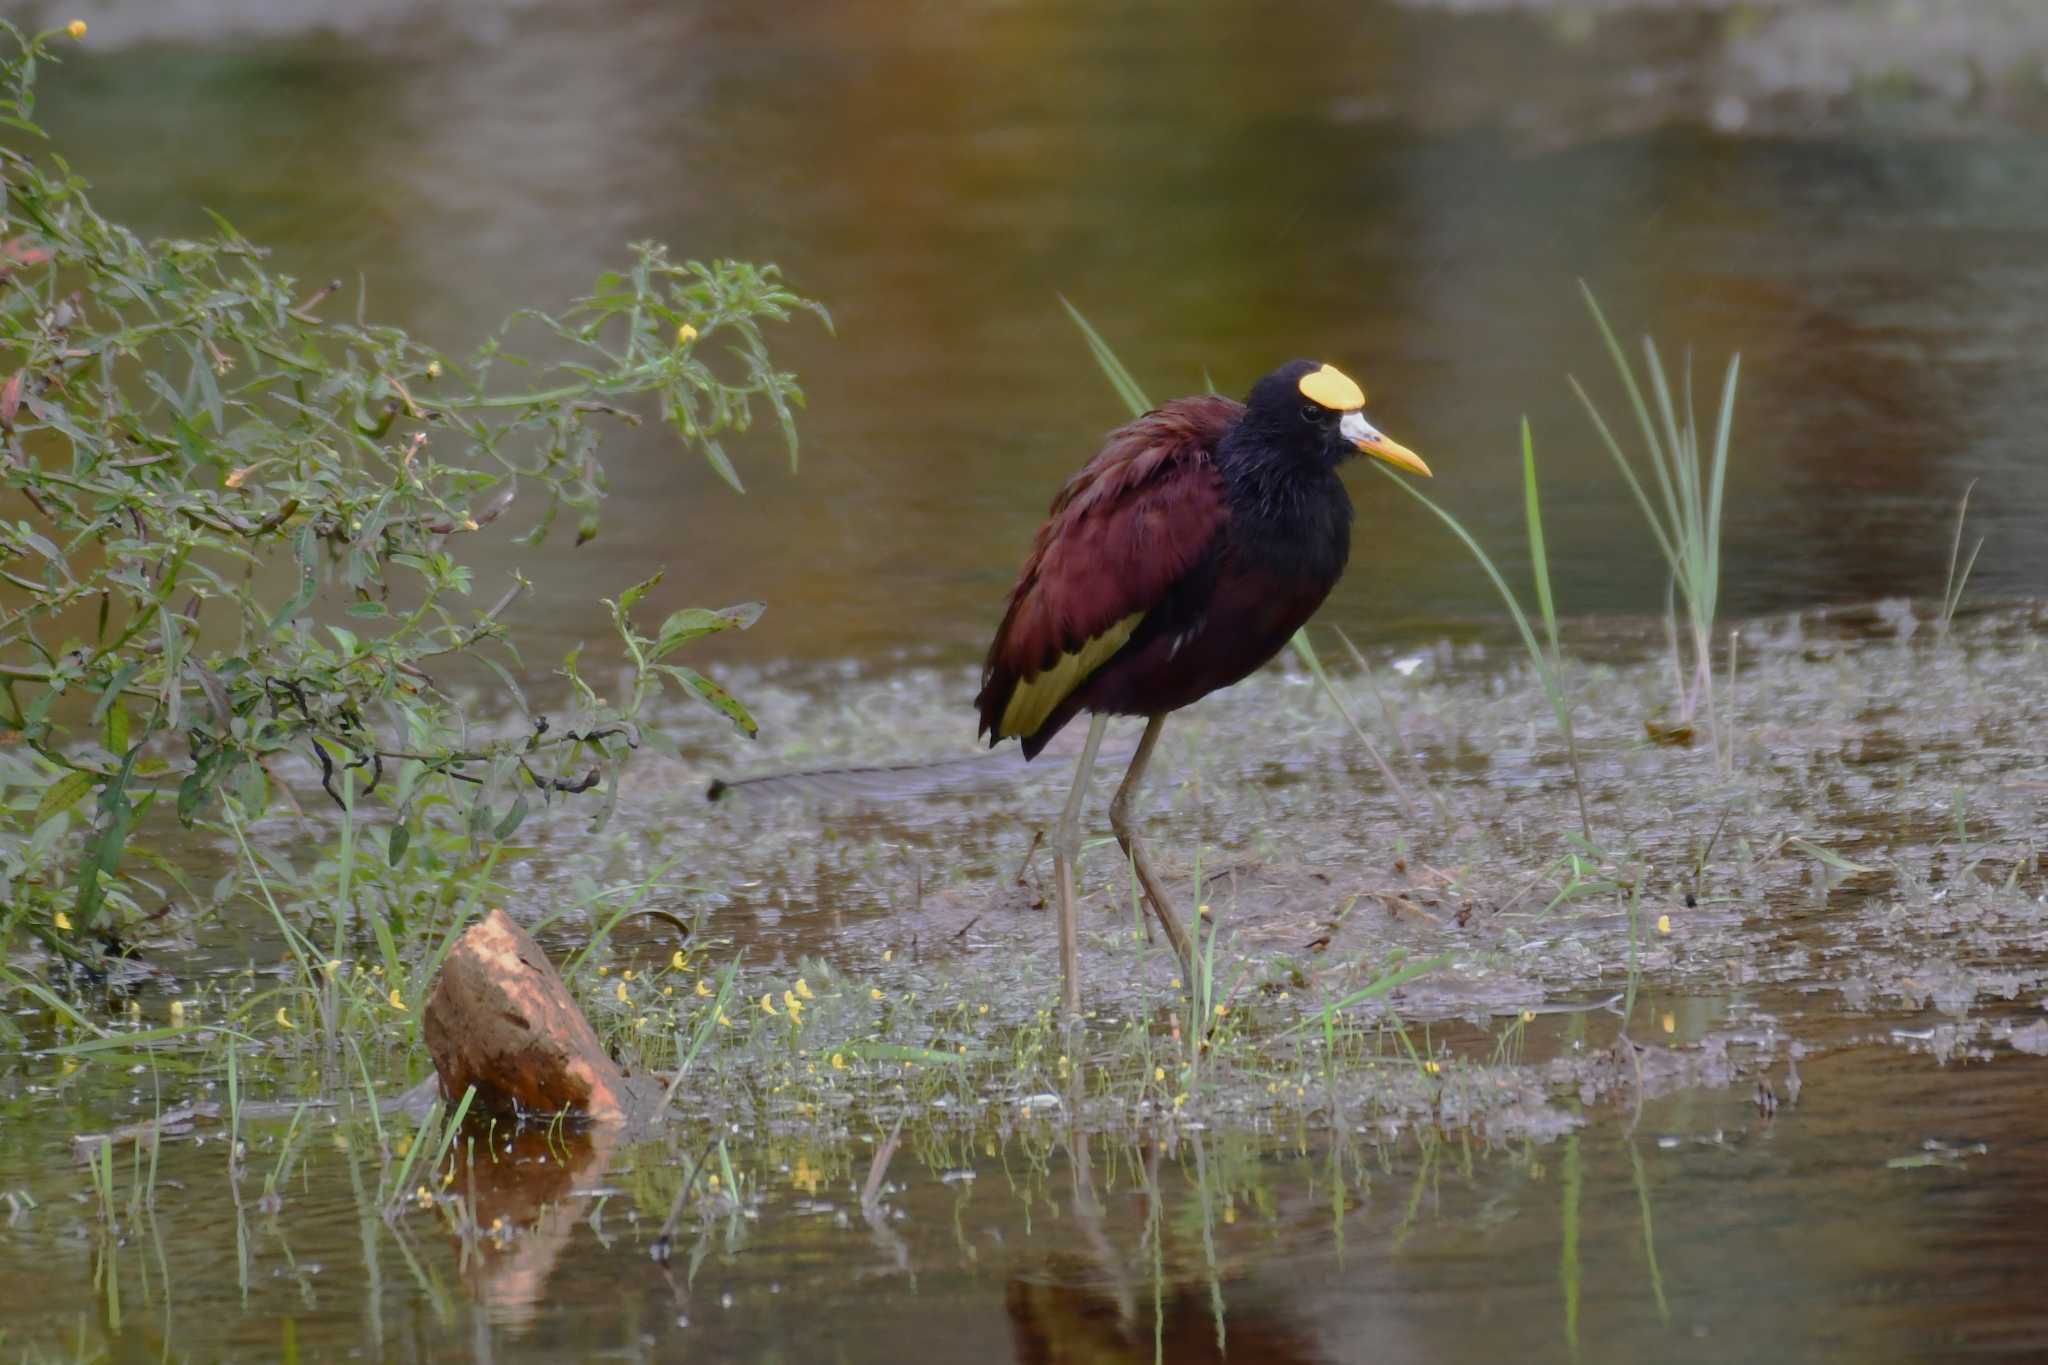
(1814, 1135)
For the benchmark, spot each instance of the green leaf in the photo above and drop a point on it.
(1112, 368)
(401, 839)
(61, 795)
(103, 848)
(715, 453)
(513, 818)
(692, 623)
(715, 697)
(309, 583)
(632, 595)
(369, 609)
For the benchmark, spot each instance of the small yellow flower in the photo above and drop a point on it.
(1432, 1066)
(793, 1005)
(723, 1020)
(1158, 1073)
(668, 990)
(963, 1049)
(447, 1177)
(703, 988)
(875, 993)
(713, 1182)
(604, 971)
(1670, 1023)
(838, 1062)
(803, 988)
(397, 1002)
(1663, 924)
(1176, 983)
(685, 334)
(888, 953)
(678, 962)
(433, 369)
(1202, 909)
(1222, 1011)
(768, 1004)
(64, 921)
(424, 1195)
(620, 991)
(1528, 1016)
(640, 1024)
(332, 966)
(76, 28)
(1180, 1099)
(626, 975)
(284, 1020)
(982, 1010)
(177, 1011)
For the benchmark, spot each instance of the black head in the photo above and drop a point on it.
(1314, 412)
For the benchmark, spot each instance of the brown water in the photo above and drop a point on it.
(1404, 189)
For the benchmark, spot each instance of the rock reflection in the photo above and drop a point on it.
(528, 1193)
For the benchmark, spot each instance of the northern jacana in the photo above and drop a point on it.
(1180, 558)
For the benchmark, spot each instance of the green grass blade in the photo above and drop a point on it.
(1628, 473)
(1113, 369)
(1307, 653)
(1521, 618)
(1539, 560)
(1635, 398)
(1676, 472)
(1724, 426)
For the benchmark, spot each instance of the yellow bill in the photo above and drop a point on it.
(1370, 440)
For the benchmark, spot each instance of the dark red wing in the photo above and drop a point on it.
(1140, 515)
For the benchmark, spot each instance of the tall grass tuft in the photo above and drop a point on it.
(1952, 590)
(1685, 517)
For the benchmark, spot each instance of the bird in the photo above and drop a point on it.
(1180, 558)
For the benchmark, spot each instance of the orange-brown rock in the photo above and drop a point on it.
(500, 1019)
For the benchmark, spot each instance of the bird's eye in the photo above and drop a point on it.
(1310, 412)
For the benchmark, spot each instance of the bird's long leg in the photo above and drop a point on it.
(1127, 836)
(1066, 847)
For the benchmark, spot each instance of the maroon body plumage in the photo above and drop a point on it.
(1140, 517)
(1179, 559)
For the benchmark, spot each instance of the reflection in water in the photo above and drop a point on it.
(527, 1193)
(1064, 1315)
(1713, 1232)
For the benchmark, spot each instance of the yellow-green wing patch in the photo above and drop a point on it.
(1037, 697)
